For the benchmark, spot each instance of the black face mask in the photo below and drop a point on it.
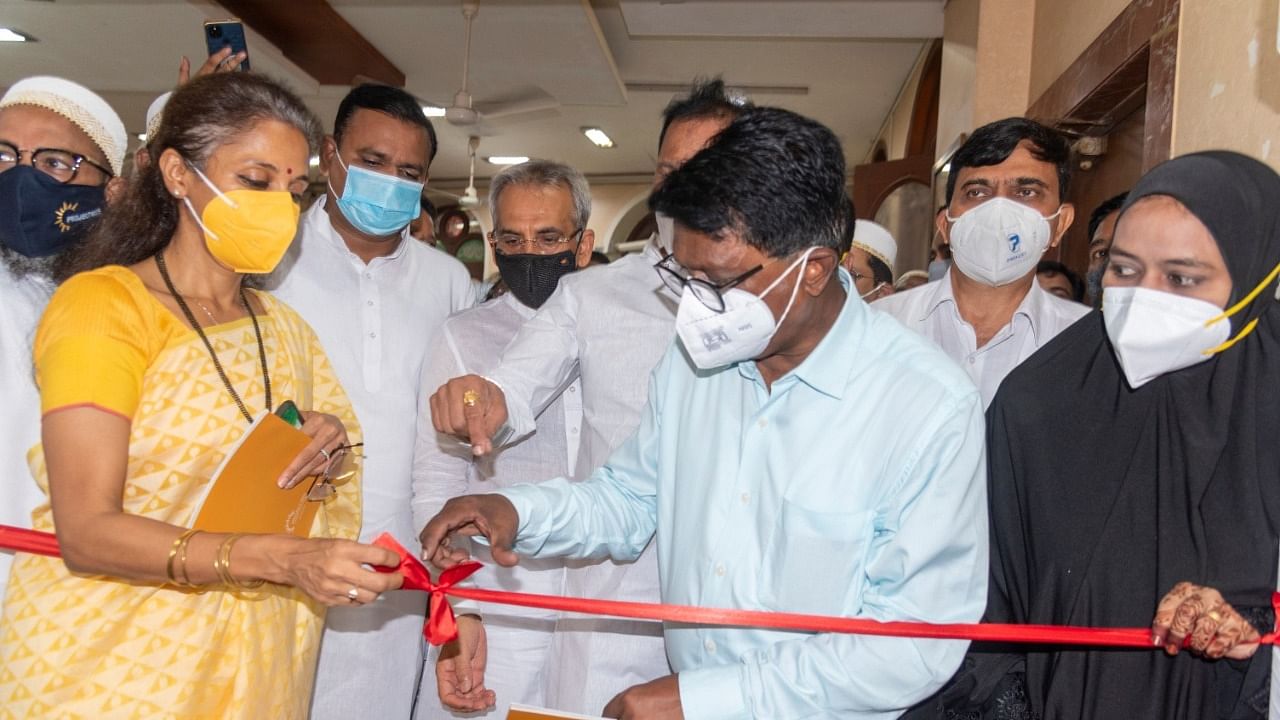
(532, 278)
(40, 216)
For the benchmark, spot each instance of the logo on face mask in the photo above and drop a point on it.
(715, 339)
(1015, 243)
(66, 216)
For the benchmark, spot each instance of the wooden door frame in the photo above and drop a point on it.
(1131, 63)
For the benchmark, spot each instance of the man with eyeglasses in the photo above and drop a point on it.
(62, 149)
(607, 327)
(800, 452)
(870, 260)
(540, 212)
(375, 297)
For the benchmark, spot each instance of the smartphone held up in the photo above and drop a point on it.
(220, 34)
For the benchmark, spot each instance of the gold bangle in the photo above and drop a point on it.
(182, 558)
(179, 545)
(222, 566)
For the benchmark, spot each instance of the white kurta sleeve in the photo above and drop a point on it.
(540, 362)
(440, 462)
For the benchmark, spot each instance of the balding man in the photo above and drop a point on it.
(61, 152)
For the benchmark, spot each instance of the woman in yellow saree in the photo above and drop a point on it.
(151, 363)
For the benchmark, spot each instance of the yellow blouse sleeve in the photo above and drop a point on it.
(91, 346)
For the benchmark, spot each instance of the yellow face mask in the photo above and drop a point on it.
(247, 231)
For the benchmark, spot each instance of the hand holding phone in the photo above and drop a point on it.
(220, 34)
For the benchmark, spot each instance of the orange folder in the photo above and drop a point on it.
(521, 712)
(243, 496)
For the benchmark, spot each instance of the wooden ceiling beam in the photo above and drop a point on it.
(312, 35)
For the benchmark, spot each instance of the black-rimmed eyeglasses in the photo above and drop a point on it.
(707, 292)
(61, 165)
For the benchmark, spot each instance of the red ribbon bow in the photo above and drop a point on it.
(441, 626)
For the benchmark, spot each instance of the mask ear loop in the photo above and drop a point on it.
(186, 200)
(1244, 301)
(804, 260)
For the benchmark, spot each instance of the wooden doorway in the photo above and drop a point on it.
(897, 193)
(1120, 89)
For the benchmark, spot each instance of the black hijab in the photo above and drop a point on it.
(1103, 497)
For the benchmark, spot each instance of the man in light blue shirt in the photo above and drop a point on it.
(801, 452)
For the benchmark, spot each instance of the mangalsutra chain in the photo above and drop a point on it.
(195, 325)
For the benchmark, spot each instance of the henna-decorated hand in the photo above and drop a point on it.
(1215, 628)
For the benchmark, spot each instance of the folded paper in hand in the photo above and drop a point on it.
(243, 496)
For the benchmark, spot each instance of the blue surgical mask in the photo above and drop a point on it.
(378, 204)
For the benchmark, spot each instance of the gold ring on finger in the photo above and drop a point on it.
(1214, 615)
(470, 398)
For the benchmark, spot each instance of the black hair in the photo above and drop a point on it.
(1101, 212)
(1053, 267)
(880, 272)
(599, 257)
(706, 99)
(387, 100)
(994, 142)
(200, 117)
(775, 178)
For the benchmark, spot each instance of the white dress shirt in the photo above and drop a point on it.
(22, 301)
(519, 639)
(931, 311)
(375, 322)
(607, 325)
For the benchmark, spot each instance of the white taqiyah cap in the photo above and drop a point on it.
(908, 275)
(876, 241)
(154, 112)
(78, 104)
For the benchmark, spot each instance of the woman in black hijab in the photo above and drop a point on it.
(1125, 461)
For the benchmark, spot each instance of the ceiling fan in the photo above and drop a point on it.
(469, 197)
(465, 113)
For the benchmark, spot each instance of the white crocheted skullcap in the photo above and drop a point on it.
(154, 113)
(876, 241)
(78, 104)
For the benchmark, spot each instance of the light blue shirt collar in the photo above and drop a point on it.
(826, 369)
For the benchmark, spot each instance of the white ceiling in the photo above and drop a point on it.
(607, 63)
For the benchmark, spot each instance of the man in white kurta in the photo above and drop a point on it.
(36, 230)
(607, 327)
(23, 299)
(540, 213)
(375, 303)
(519, 639)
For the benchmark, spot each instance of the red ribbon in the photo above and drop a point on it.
(441, 627)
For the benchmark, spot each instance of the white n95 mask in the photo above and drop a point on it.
(741, 332)
(1156, 332)
(999, 241)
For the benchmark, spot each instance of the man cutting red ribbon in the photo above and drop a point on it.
(800, 453)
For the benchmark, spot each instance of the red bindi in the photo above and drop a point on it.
(289, 170)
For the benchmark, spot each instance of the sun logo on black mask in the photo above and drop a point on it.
(59, 217)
